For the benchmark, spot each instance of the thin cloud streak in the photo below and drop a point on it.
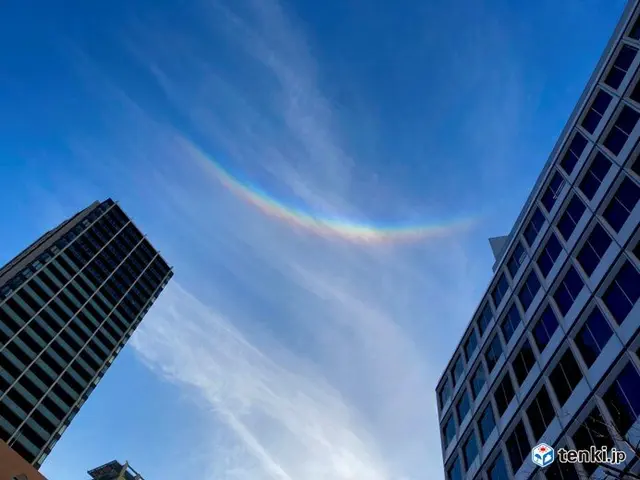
(196, 347)
(316, 359)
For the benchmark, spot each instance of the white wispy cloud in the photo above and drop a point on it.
(316, 359)
(292, 421)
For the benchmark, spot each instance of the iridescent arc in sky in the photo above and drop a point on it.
(347, 229)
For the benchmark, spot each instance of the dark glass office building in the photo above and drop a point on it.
(68, 304)
(552, 354)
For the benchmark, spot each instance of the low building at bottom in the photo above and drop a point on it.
(14, 467)
(114, 471)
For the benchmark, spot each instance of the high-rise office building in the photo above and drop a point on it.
(68, 304)
(114, 471)
(552, 352)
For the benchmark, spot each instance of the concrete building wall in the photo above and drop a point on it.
(14, 467)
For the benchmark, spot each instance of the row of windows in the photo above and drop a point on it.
(53, 319)
(75, 292)
(616, 212)
(33, 382)
(622, 399)
(51, 252)
(619, 298)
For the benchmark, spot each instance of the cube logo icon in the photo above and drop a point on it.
(543, 455)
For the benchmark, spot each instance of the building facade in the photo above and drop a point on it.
(14, 467)
(114, 471)
(68, 304)
(552, 352)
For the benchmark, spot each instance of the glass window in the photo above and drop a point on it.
(500, 290)
(504, 394)
(498, 471)
(568, 290)
(594, 176)
(518, 446)
(523, 362)
(533, 227)
(594, 248)
(620, 66)
(635, 30)
(635, 167)
(545, 328)
(576, 147)
(549, 255)
(487, 423)
(593, 336)
(550, 195)
(449, 431)
(593, 431)
(470, 450)
(510, 322)
(458, 369)
(565, 377)
(622, 204)
(622, 128)
(484, 319)
(571, 217)
(540, 413)
(561, 471)
(445, 393)
(529, 290)
(623, 293)
(623, 399)
(493, 352)
(517, 258)
(470, 344)
(463, 407)
(455, 470)
(478, 380)
(596, 111)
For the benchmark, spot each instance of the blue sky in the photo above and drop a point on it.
(278, 353)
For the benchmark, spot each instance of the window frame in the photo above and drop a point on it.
(505, 320)
(534, 403)
(569, 152)
(495, 339)
(529, 223)
(500, 276)
(612, 169)
(608, 200)
(480, 368)
(613, 124)
(560, 283)
(621, 261)
(548, 191)
(518, 356)
(487, 407)
(530, 274)
(583, 322)
(557, 364)
(564, 212)
(602, 89)
(586, 241)
(543, 251)
(538, 320)
(612, 64)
